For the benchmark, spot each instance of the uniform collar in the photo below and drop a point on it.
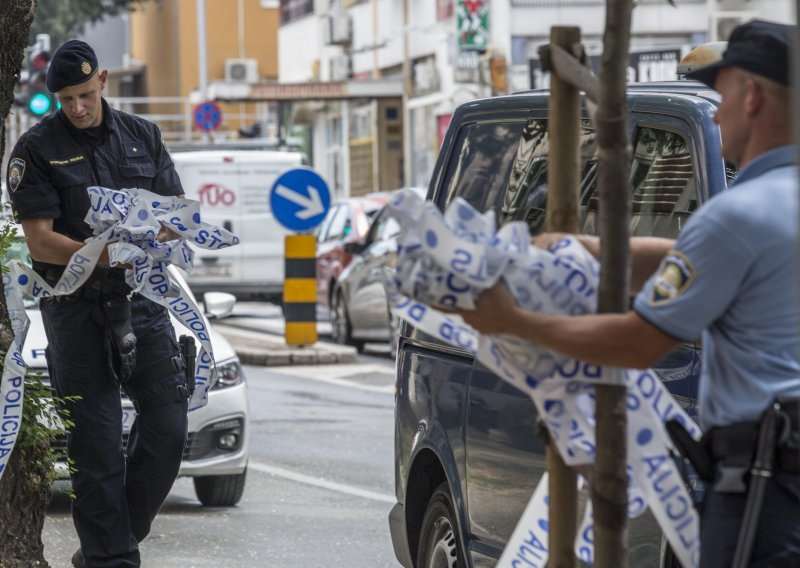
(776, 158)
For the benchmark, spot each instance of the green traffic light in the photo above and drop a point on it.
(40, 104)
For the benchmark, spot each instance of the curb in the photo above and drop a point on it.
(262, 349)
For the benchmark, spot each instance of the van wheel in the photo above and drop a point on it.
(440, 544)
(220, 490)
(340, 324)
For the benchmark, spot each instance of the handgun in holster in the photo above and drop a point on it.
(189, 355)
(113, 313)
(692, 450)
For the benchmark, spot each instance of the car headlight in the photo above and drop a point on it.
(229, 374)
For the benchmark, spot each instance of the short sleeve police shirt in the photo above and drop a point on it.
(732, 277)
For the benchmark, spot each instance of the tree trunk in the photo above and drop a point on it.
(562, 215)
(25, 485)
(609, 486)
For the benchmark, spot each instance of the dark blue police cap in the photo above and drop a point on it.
(758, 47)
(72, 64)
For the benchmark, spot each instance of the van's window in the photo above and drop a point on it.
(479, 169)
(322, 229)
(663, 186)
(503, 166)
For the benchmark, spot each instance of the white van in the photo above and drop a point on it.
(233, 188)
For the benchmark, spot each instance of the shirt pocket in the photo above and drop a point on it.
(72, 181)
(138, 174)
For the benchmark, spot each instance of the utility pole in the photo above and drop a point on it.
(407, 91)
(202, 57)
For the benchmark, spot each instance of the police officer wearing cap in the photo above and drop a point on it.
(732, 276)
(91, 353)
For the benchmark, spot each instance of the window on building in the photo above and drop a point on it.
(292, 10)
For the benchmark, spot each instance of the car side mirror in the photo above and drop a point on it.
(218, 305)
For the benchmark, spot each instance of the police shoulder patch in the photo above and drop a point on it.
(674, 276)
(16, 170)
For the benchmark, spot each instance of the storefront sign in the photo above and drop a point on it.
(644, 66)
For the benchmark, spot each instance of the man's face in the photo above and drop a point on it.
(81, 104)
(731, 114)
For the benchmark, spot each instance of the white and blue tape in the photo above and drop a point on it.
(128, 221)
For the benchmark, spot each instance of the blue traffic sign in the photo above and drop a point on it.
(207, 116)
(299, 199)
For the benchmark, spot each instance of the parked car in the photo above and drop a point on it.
(359, 307)
(347, 221)
(467, 453)
(217, 446)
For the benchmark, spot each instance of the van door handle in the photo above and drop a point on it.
(228, 226)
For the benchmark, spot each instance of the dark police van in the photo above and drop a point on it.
(467, 453)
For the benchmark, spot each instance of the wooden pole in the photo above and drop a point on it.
(562, 215)
(609, 487)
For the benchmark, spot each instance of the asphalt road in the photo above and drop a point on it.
(319, 486)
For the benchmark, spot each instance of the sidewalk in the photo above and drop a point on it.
(258, 342)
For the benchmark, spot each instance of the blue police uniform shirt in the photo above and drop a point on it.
(732, 276)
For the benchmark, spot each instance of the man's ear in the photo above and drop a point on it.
(753, 97)
(103, 78)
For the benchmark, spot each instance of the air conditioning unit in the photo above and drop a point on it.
(340, 68)
(723, 23)
(241, 70)
(337, 28)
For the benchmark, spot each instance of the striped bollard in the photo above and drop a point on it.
(300, 289)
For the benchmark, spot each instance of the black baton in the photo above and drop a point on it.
(760, 474)
(189, 354)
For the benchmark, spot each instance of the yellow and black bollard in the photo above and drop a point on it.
(300, 289)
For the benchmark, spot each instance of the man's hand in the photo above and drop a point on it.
(166, 234)
(494, 312)
(546, 240)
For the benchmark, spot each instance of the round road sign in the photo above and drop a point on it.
(207, 116)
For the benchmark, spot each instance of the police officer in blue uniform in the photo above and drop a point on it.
(98, 338)
(732, 276)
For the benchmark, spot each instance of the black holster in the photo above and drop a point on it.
(189, 356)
(114, 314)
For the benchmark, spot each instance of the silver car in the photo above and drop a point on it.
(217, 447)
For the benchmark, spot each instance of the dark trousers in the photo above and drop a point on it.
(115, 503)
(777, 543)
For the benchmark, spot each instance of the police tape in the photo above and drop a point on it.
(447, 260)
(128, 221)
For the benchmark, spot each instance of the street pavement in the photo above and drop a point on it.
(256, 331)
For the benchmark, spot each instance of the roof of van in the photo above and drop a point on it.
(248, 156)
(683, 87)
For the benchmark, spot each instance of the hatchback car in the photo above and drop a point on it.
(347, 222)
(359, 306)
(467, 453)
(217, 446)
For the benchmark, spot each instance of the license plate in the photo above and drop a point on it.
(212, 270)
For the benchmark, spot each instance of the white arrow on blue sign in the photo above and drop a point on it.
(299, 199)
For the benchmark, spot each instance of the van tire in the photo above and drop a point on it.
(340, 324)
(220, 490)
(439, 539)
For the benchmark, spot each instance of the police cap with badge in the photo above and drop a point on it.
(757, 46)
(75, 62)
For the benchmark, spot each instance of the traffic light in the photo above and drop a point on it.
(33, 93)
